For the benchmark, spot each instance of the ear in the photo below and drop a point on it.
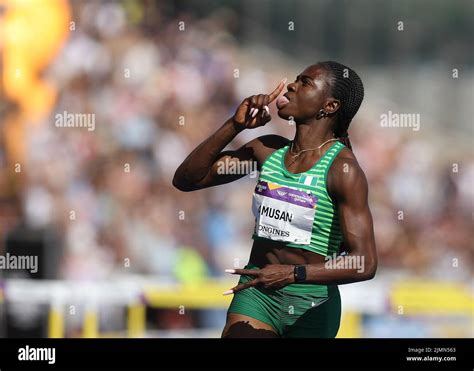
(332, 106)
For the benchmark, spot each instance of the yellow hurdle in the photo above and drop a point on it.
(90, 328)
(418, 297)
(208, 294)
(56, 322)
(136, 320)
(351, 325)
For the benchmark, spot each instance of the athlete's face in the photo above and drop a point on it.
(307, 95)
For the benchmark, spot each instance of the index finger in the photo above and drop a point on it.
(275, 93)
(251, 272)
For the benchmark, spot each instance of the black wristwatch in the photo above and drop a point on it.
(300, 273)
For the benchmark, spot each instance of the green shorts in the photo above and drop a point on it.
(296, 310)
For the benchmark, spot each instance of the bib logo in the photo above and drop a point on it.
(275, 231)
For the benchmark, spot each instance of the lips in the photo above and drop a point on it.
(282, 102)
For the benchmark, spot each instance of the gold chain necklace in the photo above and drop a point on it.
(306, 150)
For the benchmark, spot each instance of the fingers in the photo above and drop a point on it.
(275, 93)
(253, 106)
(241, 287)
(266, 111)
(266, 100)
(259, 106)
(250, 272)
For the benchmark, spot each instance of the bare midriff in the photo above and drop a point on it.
(272, 252)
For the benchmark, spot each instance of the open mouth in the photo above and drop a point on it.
(282, 101)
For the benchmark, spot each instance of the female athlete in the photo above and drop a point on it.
(311, 199)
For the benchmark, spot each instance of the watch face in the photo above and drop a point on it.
(300, 273)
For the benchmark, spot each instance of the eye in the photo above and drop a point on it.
(305, 82)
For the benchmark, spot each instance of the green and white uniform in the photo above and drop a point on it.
(296, 210)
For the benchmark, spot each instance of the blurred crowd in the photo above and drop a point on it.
(157, 90)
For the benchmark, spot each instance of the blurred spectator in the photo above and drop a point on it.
(156, 94)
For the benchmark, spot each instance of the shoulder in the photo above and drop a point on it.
(346, 178)
(344, 157)
(265, 145)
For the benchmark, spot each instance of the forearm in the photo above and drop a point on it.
(276, 276)
(342, 270)
(198, 163)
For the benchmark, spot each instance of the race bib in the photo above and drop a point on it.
(282, 213)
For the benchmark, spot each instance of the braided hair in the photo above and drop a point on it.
(346, 86)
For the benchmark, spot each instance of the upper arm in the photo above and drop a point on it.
(235, 164)
(349, 189)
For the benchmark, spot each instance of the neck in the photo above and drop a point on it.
(311, 136)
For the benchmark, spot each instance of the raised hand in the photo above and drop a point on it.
(253, 112)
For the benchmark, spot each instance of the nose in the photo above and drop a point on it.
(291, 87)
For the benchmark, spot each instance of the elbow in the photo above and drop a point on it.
(369, 271)
(180, 185)
(178, 181)
(370, 274)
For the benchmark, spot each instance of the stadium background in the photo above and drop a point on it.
(123, 253)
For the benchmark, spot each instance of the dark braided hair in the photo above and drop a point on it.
(346, 86)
